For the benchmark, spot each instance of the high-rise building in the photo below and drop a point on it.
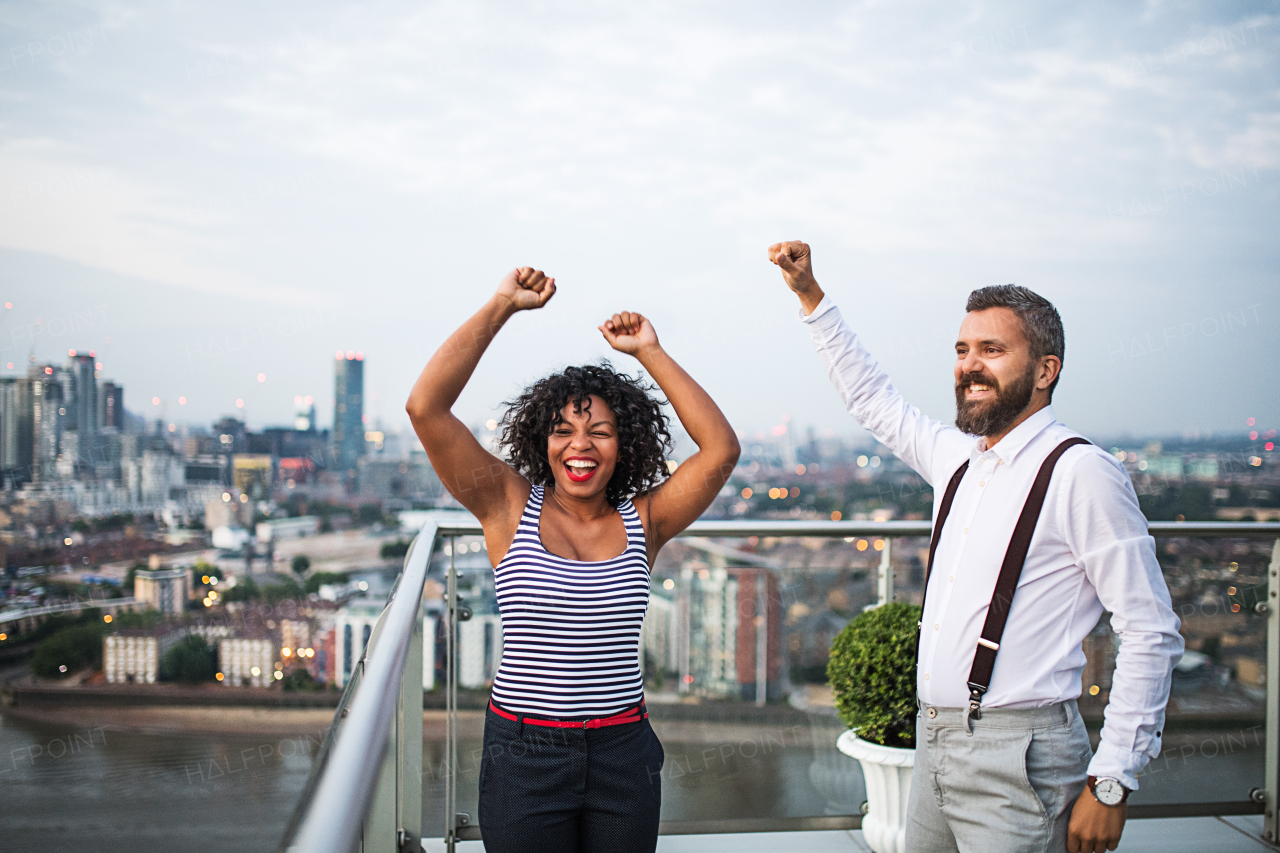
(48, 412)
(348, 412)
(83, 410)
(17, 429)
(111, 406)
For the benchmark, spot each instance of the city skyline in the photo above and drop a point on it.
(175, 414)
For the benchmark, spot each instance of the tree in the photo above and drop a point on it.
(300, 679)
(398, 548)
(75, 648)
(301, 563)
(319, 579)
(246, 589)
(190, 660)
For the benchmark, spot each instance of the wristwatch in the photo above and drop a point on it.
(1109, 792)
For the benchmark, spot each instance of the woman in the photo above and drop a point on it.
(572, 524)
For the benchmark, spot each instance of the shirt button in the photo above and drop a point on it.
(935, 626)
(1001, 462)
(926, 676)
(966, 530)
(982, 482)
(952, 579)
(933, 712)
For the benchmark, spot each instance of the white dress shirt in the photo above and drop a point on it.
(1091, 552)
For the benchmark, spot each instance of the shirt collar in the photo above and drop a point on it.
(1019, 437)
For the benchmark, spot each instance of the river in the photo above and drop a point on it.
(96, 789)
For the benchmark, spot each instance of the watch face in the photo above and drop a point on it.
(1109, 792)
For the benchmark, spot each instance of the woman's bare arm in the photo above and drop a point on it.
(679, 501)
(479, 481)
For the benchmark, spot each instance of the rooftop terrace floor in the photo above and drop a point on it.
(1167, 835)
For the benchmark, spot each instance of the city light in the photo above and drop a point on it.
(1253, 436)
(219, 676)
(182, 401)
(308, 399)
(747, 493)
(800, 470)
(668, 584)
(66, 541)
(226, 496)
(297, 400)
(862, 544)
(862, 462)
(491, 425)
(836, 515)
(262, 377)
(878, 545)
(1250, 422)
(1094, 690)
(279, 675)
(3, 636)
(285, 652)
(107, 618)
(1269, 446)
(155, 401)
(239, 404)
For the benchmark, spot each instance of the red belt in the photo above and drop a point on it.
(631, 715)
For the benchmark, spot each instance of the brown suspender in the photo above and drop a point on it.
(984, 658)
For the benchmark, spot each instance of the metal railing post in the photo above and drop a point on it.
(409, 755)
(1271, 827)
(884, 588)
(762, 636)
(451, 704)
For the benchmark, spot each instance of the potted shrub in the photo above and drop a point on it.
(873, 675)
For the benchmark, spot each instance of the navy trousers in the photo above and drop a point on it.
(563, 790)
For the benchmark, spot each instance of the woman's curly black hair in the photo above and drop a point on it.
(643, 436)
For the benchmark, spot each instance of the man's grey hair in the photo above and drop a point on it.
(1040, 321)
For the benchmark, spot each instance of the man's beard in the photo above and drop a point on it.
(995, 416)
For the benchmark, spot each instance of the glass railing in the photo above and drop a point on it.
(734, 652)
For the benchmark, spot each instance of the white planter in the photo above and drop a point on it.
(887, 771)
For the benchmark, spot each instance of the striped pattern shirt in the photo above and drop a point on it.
(571, 629)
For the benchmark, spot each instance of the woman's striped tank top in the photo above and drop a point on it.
(570, 629)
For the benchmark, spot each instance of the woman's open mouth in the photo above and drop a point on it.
(580, 469)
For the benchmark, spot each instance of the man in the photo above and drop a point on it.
(1003, 762)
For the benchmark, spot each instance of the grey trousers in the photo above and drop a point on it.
(1005, 784)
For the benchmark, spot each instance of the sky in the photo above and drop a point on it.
(203, 193)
